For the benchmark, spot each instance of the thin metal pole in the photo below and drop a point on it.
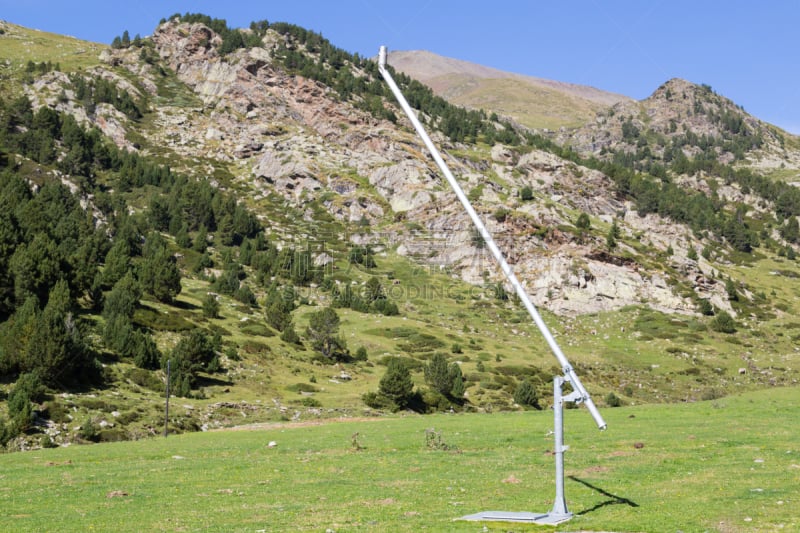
(569, 374)
(559, 510)
(166, 407)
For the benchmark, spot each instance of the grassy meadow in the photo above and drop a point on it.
(21, 45)
(724, 465)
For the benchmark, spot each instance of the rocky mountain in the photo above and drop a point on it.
(679, 107)
(296, 140)
(534, 102)
(650, 232)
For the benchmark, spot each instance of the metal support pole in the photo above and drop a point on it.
(166, 406)
(559, 511)
(569, 374)
(579, 394)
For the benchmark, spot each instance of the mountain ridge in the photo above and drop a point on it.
(467, 84)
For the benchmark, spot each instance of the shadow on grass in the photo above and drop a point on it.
(187, 306)
(209, 381)
(613, 498)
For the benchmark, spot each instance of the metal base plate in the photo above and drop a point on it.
(509, 516)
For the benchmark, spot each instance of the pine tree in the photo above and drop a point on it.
(322, 331)
(27, 389)
(117, 262)
(396, 384)
(35, 268)
(730, 289)
(145, 352)
(437, 374)
(57, 349)
(15, 334)
(158, 271)
(200, 242)
(194, 353)
(210, 306)
(123, 298)
(612, 236)
(525, 395)
(457, 387)
(373, 290)
(289, 334)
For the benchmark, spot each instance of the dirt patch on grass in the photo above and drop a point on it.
(260, 426)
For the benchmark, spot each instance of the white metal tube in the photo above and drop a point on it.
(559, 510)
(476, 220)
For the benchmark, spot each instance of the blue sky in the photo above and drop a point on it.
(748, 51)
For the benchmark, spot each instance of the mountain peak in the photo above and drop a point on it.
(531, 101)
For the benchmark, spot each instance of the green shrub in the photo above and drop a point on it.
(289, 334)
(723, 323)
(210, 306)
(711, 394)
(310, 402)
(526, 395)
(361, 354)
(612, 400)
(150, 318)
(232, 353)
(46, 442)
(420, 342)
(490, 385)
(6, 431)
(127, 417)
(27, 390)
(410, 363)
(145, 379)
(254, 329)
(583, 222)
(705, 307)
(89, 430)
(302, 387)
(112, 435)
(56, 411)
(377, 401)
(520, 372)
(255, 347)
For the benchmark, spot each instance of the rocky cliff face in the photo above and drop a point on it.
(283, 134)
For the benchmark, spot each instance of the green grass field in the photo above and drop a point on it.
(725, 465)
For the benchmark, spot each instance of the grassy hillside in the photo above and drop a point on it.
(724, 465)
(20, 45)
(534, 102)
(533, 106)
